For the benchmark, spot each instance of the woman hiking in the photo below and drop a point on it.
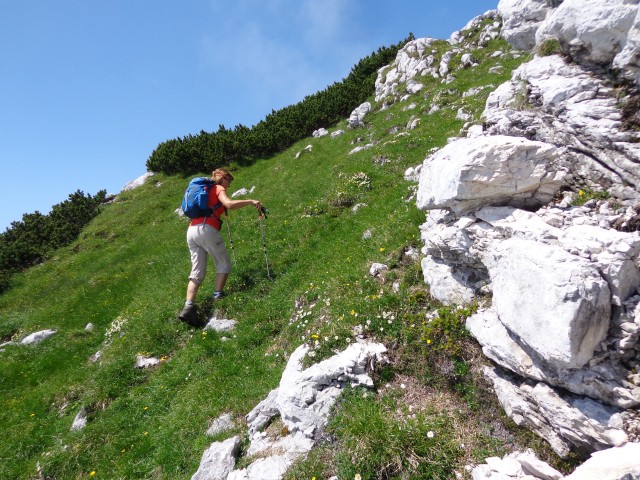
(203, 238)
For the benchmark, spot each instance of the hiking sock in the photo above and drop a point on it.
(217, 295)
(188, 302)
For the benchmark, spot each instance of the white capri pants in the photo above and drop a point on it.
(203, 239)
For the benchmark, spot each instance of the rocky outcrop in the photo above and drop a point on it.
(566, 106)
(612, 464)
(302, 402)
(429, 58)
(498, 170)
(561, 281)
(595, 33)
(522, 18)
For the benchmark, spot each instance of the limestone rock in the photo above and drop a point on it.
(137, 182)
(521, 19)
(37, 337)
(619, 463)
(220, 325)
(80, 421)
(146, 362)
(591, 31)
(575, 423)
(221, 424)
(564, 324)
(377, 268)
(357, 116)
(566, 105)
(304, 397)
(218, 460)
(524, 465)
(471, 173)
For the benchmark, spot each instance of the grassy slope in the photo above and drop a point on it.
(127, 273)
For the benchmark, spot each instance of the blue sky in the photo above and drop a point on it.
(89, 88)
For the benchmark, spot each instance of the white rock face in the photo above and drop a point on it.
(302, 400)
(447, 284)
(606, 381)
(628, 60)
(521, 19)
(304, 397)
(613, 464)
(218, 461)
(565, 286)
(576, 111)
(137, 182)
(357, 116)
(566, 423)
(605, 33)
(592, 31)
(499, 170)
(521, 272)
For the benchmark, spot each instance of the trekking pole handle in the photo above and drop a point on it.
(263, 211)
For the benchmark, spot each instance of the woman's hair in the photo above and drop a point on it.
(221, 172)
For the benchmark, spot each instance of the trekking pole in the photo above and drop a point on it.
(263, 213)
(233, 250)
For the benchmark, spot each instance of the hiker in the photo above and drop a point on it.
(203, 238)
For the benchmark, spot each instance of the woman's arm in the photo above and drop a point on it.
(235, 204)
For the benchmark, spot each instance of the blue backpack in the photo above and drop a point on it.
(195, 202)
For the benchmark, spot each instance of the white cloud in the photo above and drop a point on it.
(324, 22)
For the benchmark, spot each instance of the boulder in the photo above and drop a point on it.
(305, 396)
(221, 424)
(590, 31)
(137, 182)
(567, 423)
(37, 337)
(471, 173)
(628, 60)
(220, 325)
(448, 283)
(218, 460)
(606, 381)
(563, 324)
(357, 116)
(620, 463)
(146, 362)
(520, 21)
(515, 465)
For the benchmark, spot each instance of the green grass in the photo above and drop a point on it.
(126, 274)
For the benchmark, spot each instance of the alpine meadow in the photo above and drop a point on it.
(334, 211)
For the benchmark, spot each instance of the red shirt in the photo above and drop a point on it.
(218, 209)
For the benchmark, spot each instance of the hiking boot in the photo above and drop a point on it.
(190, 316)
(218, 296)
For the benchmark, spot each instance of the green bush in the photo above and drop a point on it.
(28, 242)
(279, 130)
